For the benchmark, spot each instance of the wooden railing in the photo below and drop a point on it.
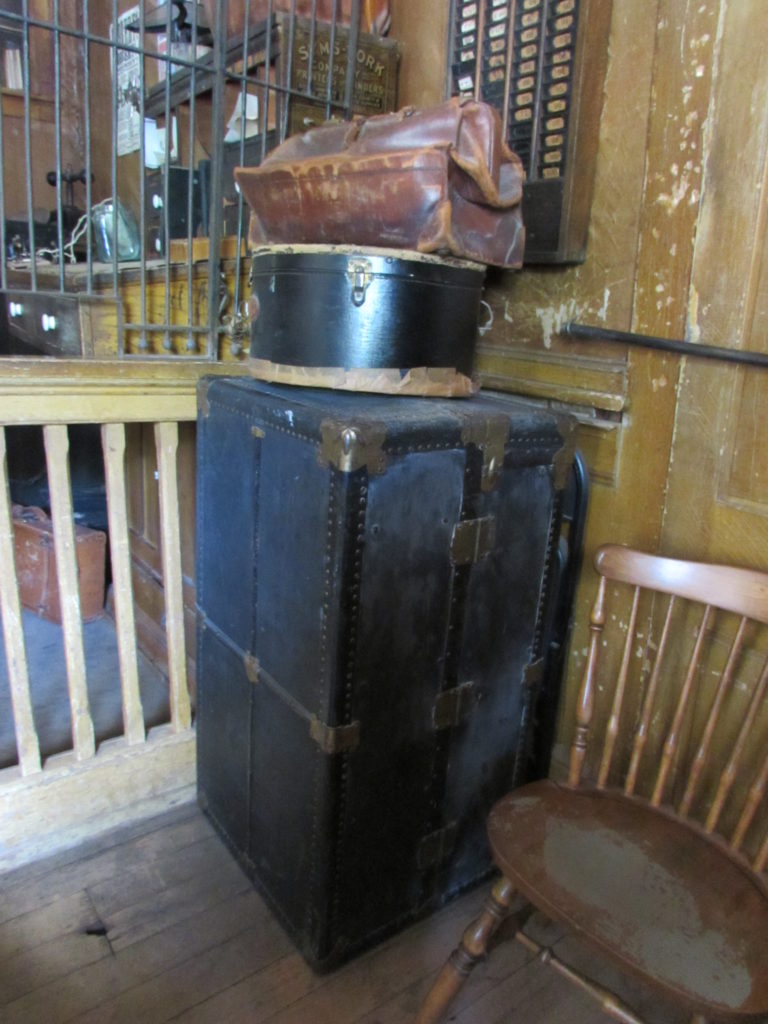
(50, 803)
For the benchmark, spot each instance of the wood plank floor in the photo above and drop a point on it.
(157, 923)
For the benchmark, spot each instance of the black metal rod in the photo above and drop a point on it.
(311, 63)
(352, 40)
(158, 327)
(3, 239)
(86, 52)
(112, 227)
(585, 332)
(480, 34)
(57, 142)
(166, 188)
(264, 108)
(263, 129)
(284, 99)
(144, 253)
(331, 63)
(26, 80)
(191, 345)
(216, 211)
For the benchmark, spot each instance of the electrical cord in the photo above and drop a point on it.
(52, 252)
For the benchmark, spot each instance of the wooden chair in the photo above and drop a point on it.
(669, 885)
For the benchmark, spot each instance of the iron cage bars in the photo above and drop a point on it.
(219, 71)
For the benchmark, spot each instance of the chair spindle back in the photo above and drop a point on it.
(689, 752)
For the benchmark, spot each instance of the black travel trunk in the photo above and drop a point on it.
(372, 582)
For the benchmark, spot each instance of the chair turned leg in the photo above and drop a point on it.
(472, 948)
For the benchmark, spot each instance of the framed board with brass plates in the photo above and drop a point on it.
(314, 54)
(541, 63)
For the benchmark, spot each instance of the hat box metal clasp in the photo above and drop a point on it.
(363, 319)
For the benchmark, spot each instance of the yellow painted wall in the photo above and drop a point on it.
(676, 243)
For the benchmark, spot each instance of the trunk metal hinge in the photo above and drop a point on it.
(472, 540)
(533, 673)
(349, 447)
(452, 707)
(490, 436)
(562, 464)
(436, 847)
(334, 739)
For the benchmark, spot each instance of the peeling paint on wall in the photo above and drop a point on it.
(671, 200)
(693, 331)
(552, 318)
(602, 313)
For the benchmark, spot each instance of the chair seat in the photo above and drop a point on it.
(654, 893)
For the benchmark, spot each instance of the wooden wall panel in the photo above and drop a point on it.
(718, 482)
(676, 248)
(422, 30)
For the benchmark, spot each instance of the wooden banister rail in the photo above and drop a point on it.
(43, 391)
(53, 394)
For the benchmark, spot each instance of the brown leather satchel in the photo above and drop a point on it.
(437, 180)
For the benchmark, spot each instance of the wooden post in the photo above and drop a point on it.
(167, 442)
(113, 444)
(57, 461)
(27, 744)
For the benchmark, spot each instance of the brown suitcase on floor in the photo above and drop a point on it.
(36, 565)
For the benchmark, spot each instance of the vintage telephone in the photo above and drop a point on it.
(70, 214)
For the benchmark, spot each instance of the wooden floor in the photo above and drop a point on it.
(157, 923)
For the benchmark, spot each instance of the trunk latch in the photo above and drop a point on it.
(360, 276)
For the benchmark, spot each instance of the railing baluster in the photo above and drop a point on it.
(167, 441)
(27, 744)
(113, 444)
(57, 461)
